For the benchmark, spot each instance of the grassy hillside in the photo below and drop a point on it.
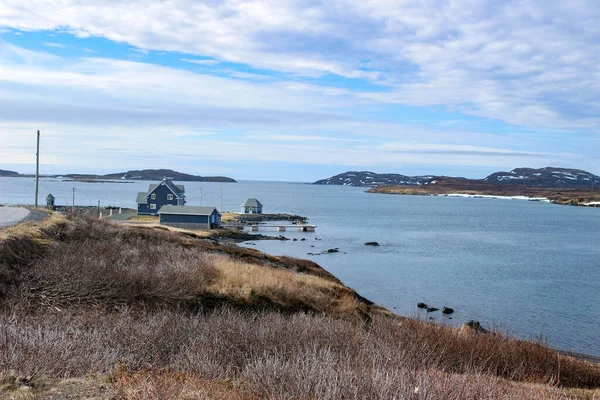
(93, 308)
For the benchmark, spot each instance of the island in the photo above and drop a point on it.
(553, 184)
(4, 172)
(371, 179)
(548, 177)
(135, 175)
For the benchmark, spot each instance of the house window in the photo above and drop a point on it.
(153, 196)
(153, 206)
(169, 197)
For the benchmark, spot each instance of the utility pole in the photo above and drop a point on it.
(73, 203)
(201, 197)
(37, 169)
(98, 209)
(221, 199)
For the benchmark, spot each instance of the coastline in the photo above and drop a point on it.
(572, 197)
(242, 308)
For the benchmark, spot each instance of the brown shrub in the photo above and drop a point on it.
(140, 280)
(268, 354)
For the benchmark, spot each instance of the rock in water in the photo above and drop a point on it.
(432, 309)
(447, 310)
(371, 244)
(422, 305)
(332, 251)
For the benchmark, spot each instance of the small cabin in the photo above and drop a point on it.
(190, 217)
(50, 201)
(159, 195)
(252, 206)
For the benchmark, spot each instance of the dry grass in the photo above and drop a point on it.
(228, 217)
(168, 315)
(262, 355)
(85, 262)
(145, 218)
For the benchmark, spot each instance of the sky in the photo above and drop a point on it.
(300, 90)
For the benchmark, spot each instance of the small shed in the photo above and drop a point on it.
(50, 201)
(252, 206)
(190, 217)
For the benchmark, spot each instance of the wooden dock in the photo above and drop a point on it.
(279, 227)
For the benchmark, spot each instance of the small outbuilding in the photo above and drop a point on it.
(190, 217)
(252, 206)
(50, 201)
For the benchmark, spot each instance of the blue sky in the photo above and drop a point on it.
(300, 90)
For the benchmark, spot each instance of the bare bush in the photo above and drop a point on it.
(89, 297)
(274, 355)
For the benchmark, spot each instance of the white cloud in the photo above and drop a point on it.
(200, 62)
(55, 45)
(530, 64)
(526, 63)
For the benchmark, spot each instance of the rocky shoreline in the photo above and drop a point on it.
(572, 197)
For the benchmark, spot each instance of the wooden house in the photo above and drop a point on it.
(190, 217)
(159, 195)
(252, 206)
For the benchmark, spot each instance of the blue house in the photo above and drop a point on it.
(158, 195)
(190, 217)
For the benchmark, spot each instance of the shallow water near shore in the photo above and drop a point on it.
(527, 268)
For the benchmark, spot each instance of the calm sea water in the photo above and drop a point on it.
(530, 269)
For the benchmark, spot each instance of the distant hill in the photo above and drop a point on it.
(550, 177)
(153, 175)
(4, 172)
(545, 177)
(371, 179)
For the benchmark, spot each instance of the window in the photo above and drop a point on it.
(153, 206)
(169, 197)
(153, 196)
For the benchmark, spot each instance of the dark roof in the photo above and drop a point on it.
(50, 196)
(174, 188)
(252, 203)
(141, 198)
(187, 210)
(177, 190)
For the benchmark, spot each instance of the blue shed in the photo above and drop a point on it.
(190, 217)
(252, 206)
(158, 195)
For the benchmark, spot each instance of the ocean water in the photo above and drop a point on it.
(526, 268)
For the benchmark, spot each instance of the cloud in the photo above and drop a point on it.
(55, 45)
(300, 138)
(338, 83)
(125, 112)
(200, 62)
(525, 63)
